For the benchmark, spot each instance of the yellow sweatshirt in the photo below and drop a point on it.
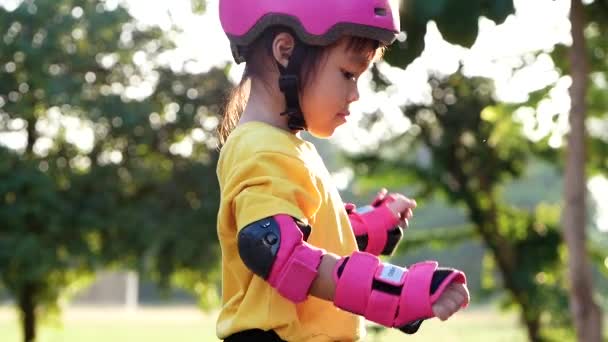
(265, 171)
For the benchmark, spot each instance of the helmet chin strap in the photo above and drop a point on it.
(289, 86)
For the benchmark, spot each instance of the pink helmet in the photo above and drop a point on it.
(316, 22)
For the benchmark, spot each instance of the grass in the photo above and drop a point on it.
(188, 324)
(118, 325)
(473, 325)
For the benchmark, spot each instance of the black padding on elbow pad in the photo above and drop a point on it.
(259, 244)
(304, 228)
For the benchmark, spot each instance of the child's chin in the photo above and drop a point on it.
(325, 134)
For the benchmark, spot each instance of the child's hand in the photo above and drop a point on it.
(400, 205)
(455, 297)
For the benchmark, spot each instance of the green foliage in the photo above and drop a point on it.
(438, 238)
(39, 243)
(467, 147)
(198, 6)
(456, 20)
(137, 186)
(466, 131)
(540, 264)
(596, 33)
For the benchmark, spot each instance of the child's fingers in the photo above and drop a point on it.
(450, 301)
(401, 205)
(402, 208)
(445, 308)
(462, 291)
(453, 305)
(404, 218)
(409, 213)
(458, 299)
(380, 197)
(441, 311)
(407, 202)
(382, 193)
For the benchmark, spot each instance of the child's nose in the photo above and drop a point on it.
(354, 94)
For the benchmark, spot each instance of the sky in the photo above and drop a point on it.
(496, 52)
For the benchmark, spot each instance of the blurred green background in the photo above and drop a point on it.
(108, 193)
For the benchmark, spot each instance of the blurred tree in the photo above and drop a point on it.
(198, 6)
(584, 154)
(596, 36)
(585, 312)
(456, 20)
(596, 47)
(466, 146)
(109, 156)
(470, 147)
(458, 23)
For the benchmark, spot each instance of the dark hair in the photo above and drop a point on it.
(256, 66)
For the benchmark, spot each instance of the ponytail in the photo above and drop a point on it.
(233, 107)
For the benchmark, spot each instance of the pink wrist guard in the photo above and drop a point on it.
(375, 227)
(387, 294)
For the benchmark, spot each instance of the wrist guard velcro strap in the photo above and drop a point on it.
(387, 294)
(376, 228)
(274, 249)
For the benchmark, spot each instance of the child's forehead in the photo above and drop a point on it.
(361, 57)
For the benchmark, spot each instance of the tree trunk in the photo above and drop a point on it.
(27, 306)
(530, 321)
(505, 259)
(532, 325)
(586, 313)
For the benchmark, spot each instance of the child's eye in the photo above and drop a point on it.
(348, 75)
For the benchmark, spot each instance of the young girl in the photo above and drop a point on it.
(297, 264)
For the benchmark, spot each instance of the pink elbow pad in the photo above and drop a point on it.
(274, 248)
(387, 294)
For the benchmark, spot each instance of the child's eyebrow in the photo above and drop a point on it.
(360, 60)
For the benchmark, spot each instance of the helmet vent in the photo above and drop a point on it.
(380, 11)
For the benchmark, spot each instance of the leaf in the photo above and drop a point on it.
(459, 22)
(425, 10)
(498, 10)
(198, 6)
(401, 54)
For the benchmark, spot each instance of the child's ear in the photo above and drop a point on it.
(282, 47)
